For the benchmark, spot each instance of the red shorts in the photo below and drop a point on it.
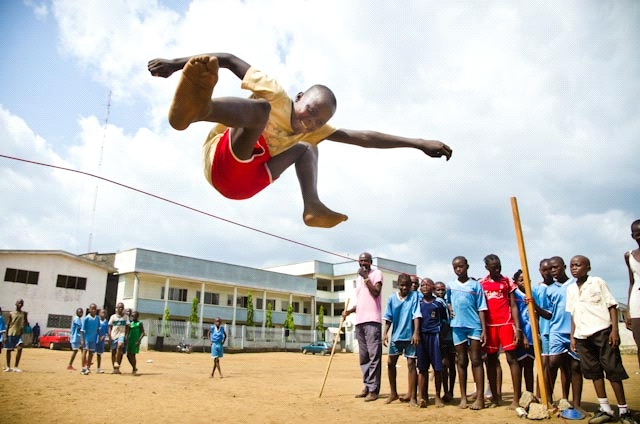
(499, 335)
(240, 179)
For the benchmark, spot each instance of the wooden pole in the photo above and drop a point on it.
(532, 313)
(333, 349)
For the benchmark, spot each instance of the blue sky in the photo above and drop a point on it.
(538, 101)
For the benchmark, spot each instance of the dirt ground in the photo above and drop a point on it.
(257, 388)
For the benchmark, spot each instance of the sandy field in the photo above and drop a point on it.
(257, 388)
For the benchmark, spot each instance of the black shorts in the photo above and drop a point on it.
(598, 358)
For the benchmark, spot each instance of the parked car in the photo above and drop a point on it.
(322, 348)
(56, 339)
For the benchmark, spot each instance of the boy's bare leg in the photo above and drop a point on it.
(438, 381)
(412, 381)
(423, 388)
(576, 383)
(492, 376)
(391, 372)
(193, 94)
(516, 378)
(478, 373)
(305, 157)
(462, 362)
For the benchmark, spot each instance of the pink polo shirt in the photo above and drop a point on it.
(368, 308)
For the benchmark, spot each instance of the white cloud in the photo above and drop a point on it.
(535, 100)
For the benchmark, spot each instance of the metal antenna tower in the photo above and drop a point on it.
(95, 194)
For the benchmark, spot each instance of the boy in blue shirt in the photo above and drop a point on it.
(75, 339)
(217, 335)
(434, 312)
(524, 350)
(89, 335)
(103, 330)
(560, 354)
(403, 313)
(468, 325)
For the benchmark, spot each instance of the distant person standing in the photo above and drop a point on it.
(3, 330)
(118, 332)
(136, 333)
(632, 258)
(218, 336)
(368, 326)
(75, 339)
(36, 335)
(15, 328)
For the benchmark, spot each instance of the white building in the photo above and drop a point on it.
(52, 283)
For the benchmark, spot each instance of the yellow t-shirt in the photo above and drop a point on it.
(278, 132)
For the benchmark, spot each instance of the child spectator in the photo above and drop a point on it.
(503, 328)
(468, 308)
(594, 333)
(447, 348)
(15, 327)
(218, 336)
(632, 259)
(103, 331)
(403, 312)
(136, 333)
(434, 312)
(524, 350)
(76, 338)
(561, 356)
(89, 334)
(118, 332)
(3, 331)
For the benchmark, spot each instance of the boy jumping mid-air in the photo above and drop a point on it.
(258, 138)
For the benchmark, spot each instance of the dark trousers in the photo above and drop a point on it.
(369, 336)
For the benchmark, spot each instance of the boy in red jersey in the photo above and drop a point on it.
(503, 327)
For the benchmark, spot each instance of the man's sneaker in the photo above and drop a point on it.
(16, 370)
(84, 372)
(7, 369)
(100, 371)
(627, 418)
(601, 417)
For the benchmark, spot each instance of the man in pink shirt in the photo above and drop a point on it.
(368, 326)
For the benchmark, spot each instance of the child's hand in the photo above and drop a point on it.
(435, 148)
(614, 339)
(573, 344)
(162, 67)
(415, 340)
(385, 340)
(483, 339)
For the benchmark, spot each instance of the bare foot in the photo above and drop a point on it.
(405, 398)
(447, 397)
(497, 401)
(513, 405)
(193, 94)
(477, 405)
(318, 215)
(438, 402)
(391, 398)
(463, 403)
(423, 403)
(413, 403)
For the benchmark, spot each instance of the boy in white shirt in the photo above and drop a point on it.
(594, 335)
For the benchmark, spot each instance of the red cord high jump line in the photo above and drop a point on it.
(175, 203)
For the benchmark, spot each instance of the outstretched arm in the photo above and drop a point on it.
(166, 67)
(373, 139)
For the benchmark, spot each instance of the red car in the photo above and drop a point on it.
(55, 339)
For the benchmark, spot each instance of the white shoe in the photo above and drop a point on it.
(16, 370)
(100, 371)
(116, 365)
(7, 369)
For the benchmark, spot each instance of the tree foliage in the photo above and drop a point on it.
(250, 322)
